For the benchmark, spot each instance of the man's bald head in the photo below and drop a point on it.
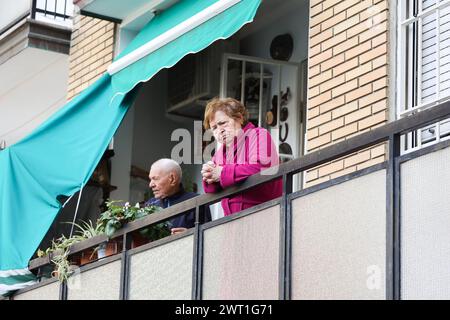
(165, 178)
(168, 166)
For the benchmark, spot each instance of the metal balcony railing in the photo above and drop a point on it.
(390, 189)
(57, 11)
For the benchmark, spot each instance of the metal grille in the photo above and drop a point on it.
(424, 66)
(59, 11)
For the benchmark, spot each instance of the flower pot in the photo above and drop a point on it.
(138, 240)
(101, 252)
(87, 256)
(55, 272)
(107, 249)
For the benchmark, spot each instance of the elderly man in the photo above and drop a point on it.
(165, 182)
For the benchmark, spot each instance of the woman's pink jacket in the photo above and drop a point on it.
(252, 151)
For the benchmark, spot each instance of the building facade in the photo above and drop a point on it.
(359, 90)
(349, 52)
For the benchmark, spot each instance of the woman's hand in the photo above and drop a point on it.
(211, 172)
(177, 230)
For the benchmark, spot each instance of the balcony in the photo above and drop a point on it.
(43, 25)
(378, 233)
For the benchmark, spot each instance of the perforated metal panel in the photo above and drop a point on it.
(425, 227)
(47, 292)
(163, 272)
(240, 259)
(339, 241)
(101, 283)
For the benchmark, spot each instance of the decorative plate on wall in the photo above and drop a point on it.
(281, 47)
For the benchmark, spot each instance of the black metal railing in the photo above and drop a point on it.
(390, 133)
(57, 10)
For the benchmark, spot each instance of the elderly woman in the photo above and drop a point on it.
(243, 150)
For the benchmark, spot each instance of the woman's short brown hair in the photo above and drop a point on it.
(232, 108)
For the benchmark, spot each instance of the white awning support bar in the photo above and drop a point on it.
(172, 34)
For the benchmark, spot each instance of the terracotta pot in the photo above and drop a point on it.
(107, 249)
(138, 240)
(87, 256)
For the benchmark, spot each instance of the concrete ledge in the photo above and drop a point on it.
(35, 34)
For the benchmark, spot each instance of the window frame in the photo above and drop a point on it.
(410, 15)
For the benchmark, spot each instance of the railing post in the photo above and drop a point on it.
(285, 240)
(197, 261)
(393, 220)
(63, 290)
(124, 269)
(33, 9)
(65, 9)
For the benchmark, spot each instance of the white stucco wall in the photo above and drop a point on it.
(30, 92)
(12, 10)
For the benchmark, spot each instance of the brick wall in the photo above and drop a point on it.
(348, 79)
(91, 52)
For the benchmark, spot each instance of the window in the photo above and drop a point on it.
(423, 65)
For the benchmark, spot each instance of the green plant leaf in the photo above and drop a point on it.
(111, 227)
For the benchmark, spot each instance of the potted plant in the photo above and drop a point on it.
(87, 230)
(59, 252)
(109, 222)
(117, 215)
(63, 268)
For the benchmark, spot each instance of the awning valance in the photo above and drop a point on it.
(187, 27)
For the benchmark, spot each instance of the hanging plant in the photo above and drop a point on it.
(109, 222)
(63, 268)
(60, 253)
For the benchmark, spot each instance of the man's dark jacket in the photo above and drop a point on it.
(186, 220)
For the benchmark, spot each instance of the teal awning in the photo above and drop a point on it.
(59, 156)
(220, 26)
